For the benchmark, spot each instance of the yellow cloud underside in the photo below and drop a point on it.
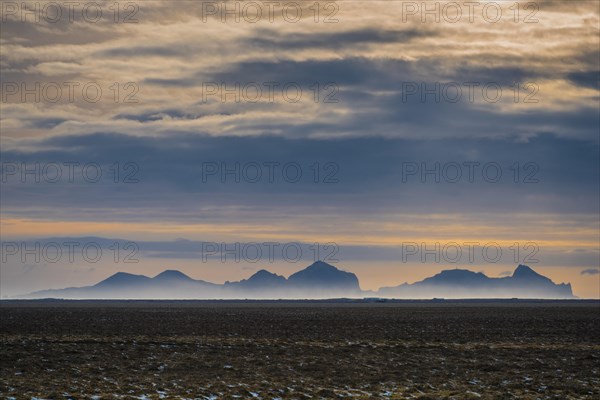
(356, 233)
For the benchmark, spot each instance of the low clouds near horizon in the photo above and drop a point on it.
(590, 271)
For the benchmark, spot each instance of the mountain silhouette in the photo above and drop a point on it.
(323, 276)
(121, 279)
(457, 283)
(455, 276)
(261, 280)
(524, 272)
(172, 275)
(318, 280)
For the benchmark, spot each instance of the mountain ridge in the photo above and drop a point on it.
(318, 280)
(524, 280)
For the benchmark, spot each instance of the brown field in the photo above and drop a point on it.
(295, 350)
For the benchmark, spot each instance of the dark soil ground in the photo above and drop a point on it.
(212, 350)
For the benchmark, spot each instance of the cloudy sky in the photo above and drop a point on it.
(348, 129)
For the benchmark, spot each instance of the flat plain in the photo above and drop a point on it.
(299, 350)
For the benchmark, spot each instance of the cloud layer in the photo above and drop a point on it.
(363, 123)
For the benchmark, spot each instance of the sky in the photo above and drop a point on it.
(393, 139)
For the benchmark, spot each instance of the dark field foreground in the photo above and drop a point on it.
(211, 350)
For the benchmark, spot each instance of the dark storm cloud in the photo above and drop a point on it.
(208, 250)
(376, 72)
(361, 75)
(431, 118)
(356, 71)
(590, 271)
(45, 123)
(275, 40)
(377, 92)
(156, 115)
(150, 51)
(504, 76)
(171, 172)
(176, 82)
(589, 79)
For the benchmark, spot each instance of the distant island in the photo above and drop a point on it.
(319, 280)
